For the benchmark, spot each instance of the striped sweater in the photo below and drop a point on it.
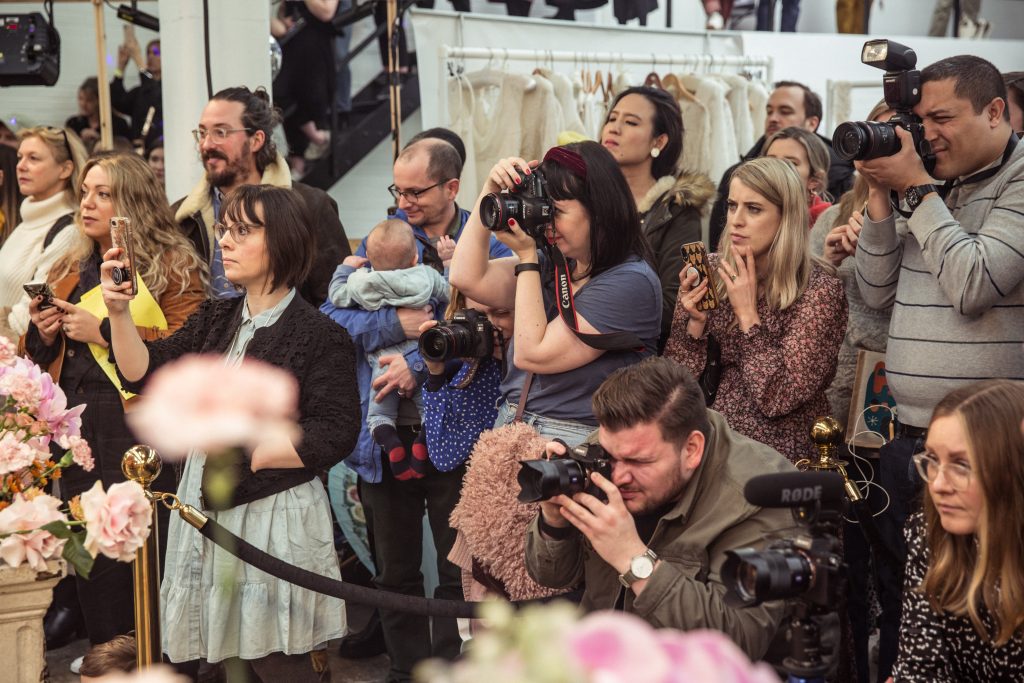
(955, 286)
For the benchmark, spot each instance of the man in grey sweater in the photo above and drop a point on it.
(954, 280)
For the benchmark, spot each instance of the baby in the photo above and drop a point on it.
(396, 280)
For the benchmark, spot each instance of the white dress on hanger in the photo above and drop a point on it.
(724, 152)
(566, 100)
(739, 106)
(757, 94)
(696, 154)
(541, 120)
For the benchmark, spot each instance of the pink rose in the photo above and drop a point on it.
(201, 402)
(116, 522)
(16, 454)
(8, 351)
(709, 657)
(618, 647)
(81, 453)
(37, 546)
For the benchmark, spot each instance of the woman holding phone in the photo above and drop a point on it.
(71, 338)
(780, 318)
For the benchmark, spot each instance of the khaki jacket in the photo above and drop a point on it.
(685, 592)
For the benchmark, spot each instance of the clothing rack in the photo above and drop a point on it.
(700, 61)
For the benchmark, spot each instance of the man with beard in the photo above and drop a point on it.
(790, 104)
(675, 505)
(236, 148)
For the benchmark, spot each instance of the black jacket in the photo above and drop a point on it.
(135, 104)
(316, 351)
(840, 180)
(330, 242)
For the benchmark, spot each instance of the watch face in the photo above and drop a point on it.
(641, 566)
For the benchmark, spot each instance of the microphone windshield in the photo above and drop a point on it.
(795, 489)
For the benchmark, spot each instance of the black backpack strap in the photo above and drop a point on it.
(58, 225)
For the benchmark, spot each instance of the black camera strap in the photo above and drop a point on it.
(611, 341)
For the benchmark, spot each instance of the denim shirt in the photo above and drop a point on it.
(372, 330)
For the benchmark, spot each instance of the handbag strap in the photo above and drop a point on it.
(521, 408)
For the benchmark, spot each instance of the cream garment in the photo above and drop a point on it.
(566, 100)
(541, 119)
(739, 106)
(461, 105)
(724, 152)
(22, 258)
(757, 94)
(696, 154)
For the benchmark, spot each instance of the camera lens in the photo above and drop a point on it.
(544, 479)
(496, 209)
(757, 577)
(865, 140)
(445, 342)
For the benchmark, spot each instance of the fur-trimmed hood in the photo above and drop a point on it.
(687, 190)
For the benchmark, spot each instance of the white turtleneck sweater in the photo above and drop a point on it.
(22, 258)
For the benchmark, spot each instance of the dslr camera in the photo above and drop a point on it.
(528, 203)
(566, 474)
(901, 86)
(469, 334)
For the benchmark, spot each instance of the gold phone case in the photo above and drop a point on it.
(696, 254)
(121, 236)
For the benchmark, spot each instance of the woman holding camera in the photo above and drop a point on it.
(71, 337)
(215, 606)
(644, 133)
(780, 318)
(49, 162)
(963, 597)
(596, 232)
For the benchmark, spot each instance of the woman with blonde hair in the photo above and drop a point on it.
(780, 317)
(49, 160)
(71, 340)
(810, 157)
(963, 597)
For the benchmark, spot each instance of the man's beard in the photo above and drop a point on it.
(233, 170)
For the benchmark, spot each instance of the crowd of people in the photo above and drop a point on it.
(590, 327)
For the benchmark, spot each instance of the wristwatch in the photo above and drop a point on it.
(640, 567)
(916, 194)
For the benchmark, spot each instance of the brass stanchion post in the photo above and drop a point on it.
(827, 434)
(141, 464)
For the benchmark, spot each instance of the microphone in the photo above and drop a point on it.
(795, 489)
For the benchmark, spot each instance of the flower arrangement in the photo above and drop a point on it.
(33, 527)
(551, 644)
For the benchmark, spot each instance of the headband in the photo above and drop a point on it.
(568, 159)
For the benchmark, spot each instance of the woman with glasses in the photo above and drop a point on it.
(49, 160)
(963, 599)
(70, 339)
(214, 606)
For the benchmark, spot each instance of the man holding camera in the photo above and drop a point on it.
(675, 506)
(953, 268)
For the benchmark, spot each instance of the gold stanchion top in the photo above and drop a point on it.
(141, 464)
(826, 431)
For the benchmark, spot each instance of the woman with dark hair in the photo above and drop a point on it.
(215, 606)
(10, 194)
(87, 123)
(644, 133)
(155, 158)
(963, 596)
(595, 229)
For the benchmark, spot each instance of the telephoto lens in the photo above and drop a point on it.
(860, 140)
(772, 574)
(568, 474)
(444, 342)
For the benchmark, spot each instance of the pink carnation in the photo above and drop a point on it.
(16, 454)
(117, 521)
(709, 656)
(200, 402)
(21, 381)
(618, 648)
(36, 546)
(8, 351)
(81, 453)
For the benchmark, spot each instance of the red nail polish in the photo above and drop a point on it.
(511, 222)
(518, 180)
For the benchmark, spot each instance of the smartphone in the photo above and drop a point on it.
(121, 237)
(696, 255)
(34, 289)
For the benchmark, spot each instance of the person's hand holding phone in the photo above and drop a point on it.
(115, 296)
(46, 317)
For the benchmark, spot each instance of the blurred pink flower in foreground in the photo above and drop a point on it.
(117, 521)
(200, 402)
(27, 515)
(81, 453)
(8, 351)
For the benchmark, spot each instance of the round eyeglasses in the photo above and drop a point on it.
(928, 466)
(239, 231)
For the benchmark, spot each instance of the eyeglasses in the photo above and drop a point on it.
(957, 474)
(413, 195)
(239, 231)
(217, 135)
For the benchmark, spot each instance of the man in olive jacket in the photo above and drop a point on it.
(236, 148)
(675, 505)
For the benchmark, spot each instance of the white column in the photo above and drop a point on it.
(239, 55)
